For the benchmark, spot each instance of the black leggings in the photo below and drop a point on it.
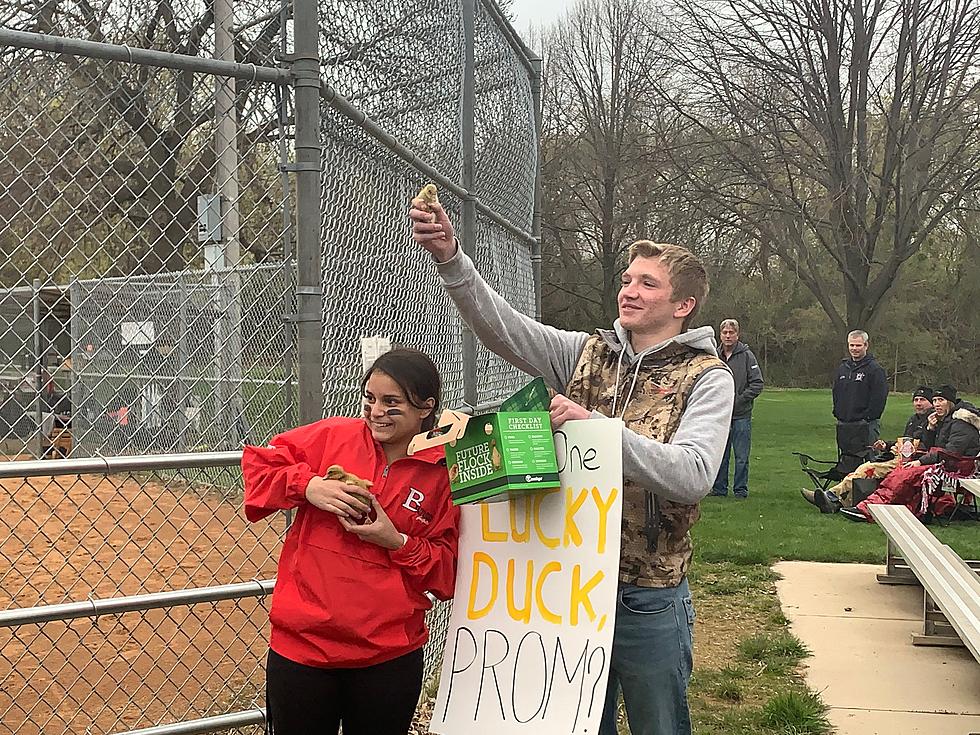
(375, 700)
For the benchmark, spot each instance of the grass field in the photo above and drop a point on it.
(748, 673)
(774, 522)
(748, 668)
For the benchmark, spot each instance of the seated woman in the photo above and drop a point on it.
(954, 428)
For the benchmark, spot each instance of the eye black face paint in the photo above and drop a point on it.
(389, 412)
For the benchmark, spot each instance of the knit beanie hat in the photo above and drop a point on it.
(923, 391)
(946, 391)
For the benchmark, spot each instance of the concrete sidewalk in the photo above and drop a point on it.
(864, 664)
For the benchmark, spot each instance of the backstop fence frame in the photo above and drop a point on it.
(484, 215)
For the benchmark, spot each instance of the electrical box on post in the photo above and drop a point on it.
(209, 218)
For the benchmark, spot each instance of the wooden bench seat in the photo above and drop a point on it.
(971, 484)
(951, 602)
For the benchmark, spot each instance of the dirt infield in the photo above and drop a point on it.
(75, 538)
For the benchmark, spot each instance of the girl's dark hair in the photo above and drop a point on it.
(415, 374)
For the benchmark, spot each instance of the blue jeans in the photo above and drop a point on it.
(651, 660)
(739, 440)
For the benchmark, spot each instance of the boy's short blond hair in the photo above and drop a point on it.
(687, 274)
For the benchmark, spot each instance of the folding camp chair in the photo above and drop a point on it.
(853, 450)
(949, 484)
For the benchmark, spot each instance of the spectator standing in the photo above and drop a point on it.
(860, 387)
(748, 386)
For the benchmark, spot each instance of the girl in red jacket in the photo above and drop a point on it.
(348, 610)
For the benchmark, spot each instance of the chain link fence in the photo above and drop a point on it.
(152, 294)
(103, 536)
(104, 275)
(161, 352)
(404, 69)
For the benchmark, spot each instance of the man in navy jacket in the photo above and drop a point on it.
(860, 387)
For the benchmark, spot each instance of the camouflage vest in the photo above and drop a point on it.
(656, 543)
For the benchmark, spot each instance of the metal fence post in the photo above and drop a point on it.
(185, 379)
(227, 297)
(288, 259)
(38, 363)
(536, 215)
(309, 274)
(468, 132)
(77, 353)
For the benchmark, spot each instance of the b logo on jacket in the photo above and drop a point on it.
(414, 500)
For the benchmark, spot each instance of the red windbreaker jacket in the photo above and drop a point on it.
(340, 601)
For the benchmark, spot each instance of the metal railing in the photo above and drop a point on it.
(219, 723)
(141, 603)
(136, 603)
(204, 482)
(123, 628)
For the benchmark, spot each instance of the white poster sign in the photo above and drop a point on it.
(531, 630)
(137, 333)
(372, 348)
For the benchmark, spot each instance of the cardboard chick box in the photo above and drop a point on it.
(497, 455)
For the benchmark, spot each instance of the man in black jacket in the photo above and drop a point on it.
(748, 386)
(860, 388)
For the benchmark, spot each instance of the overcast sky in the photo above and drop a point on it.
(536, 12)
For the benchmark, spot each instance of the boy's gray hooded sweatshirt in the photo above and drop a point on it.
(683, 470)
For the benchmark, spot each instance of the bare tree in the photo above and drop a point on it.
(838, 134)
(122, 151)
(600, 177)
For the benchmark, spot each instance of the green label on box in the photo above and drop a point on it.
(476, 463)
(502, 454)
(528, 443)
